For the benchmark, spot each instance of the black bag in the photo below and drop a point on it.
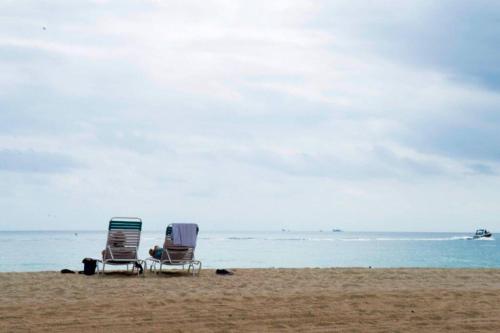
(89, 266)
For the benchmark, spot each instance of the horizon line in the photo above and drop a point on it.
(247, 230)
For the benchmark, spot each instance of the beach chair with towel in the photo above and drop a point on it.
(178, 248)
(122, 246)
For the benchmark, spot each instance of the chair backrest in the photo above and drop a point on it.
(124, 235)
(176, 253)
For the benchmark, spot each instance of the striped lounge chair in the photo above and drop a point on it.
(175, 253)
(122, 246)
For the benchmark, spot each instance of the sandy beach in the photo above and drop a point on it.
(312, 300)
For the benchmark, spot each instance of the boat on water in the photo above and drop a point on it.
(336, 230)
(482, 233)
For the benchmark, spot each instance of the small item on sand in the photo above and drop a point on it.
(89, 266)
(139, 267)
(67, 271)
(223, 272)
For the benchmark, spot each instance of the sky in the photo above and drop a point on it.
(250, 115)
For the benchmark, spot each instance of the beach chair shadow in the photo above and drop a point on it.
(171, 273)
(119, 274)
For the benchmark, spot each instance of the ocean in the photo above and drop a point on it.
(54, 250)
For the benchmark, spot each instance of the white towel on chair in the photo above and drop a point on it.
(184, 234)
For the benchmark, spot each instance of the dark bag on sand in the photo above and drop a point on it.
(89, 266)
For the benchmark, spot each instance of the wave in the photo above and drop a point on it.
(354, 239)
(245, 238)
(485, 239)
(425, 239)
(241, 238)
(287, 239)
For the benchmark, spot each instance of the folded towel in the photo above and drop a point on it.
(184, 234)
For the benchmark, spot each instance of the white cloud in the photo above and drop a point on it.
(240, 115)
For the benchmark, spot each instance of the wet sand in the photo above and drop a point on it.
(254, 300)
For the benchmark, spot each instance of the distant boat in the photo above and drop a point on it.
(336, 230)
(482, 233)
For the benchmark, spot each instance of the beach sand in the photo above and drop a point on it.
(306, 300)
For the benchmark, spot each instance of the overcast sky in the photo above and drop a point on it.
(360, 115)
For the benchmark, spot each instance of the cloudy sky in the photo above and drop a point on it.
(361, 115)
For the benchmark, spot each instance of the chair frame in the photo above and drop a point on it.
(134, 249)
(194, 266)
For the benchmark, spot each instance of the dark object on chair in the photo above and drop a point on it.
(223, 272)
(67, 271)
(89, 266)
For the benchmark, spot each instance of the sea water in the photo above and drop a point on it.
(55, 250)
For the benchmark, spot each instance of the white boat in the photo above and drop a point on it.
(482, 233)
